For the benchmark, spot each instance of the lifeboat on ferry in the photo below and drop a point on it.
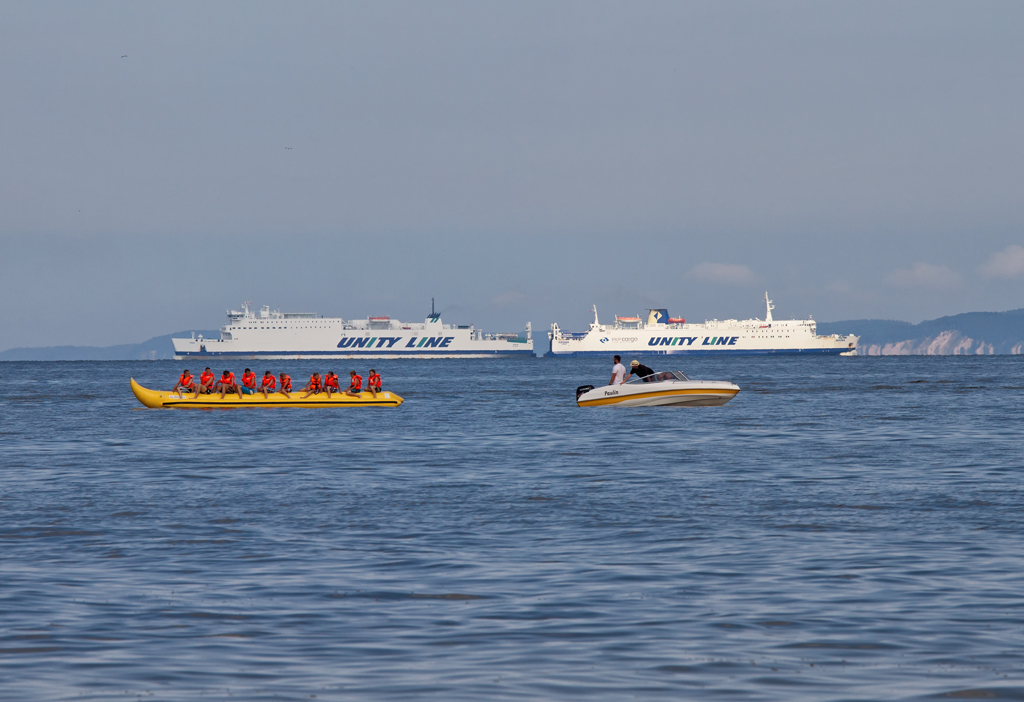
(661, 389)
(157, 399)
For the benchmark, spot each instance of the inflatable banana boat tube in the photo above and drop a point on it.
(663, 389)
(157, 399)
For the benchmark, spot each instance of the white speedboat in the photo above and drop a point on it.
(662, 389)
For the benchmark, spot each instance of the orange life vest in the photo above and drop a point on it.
(249, 380)
(286, 382)
(332, 382)
(206, 379)
(269, 382)
(186, 380)
(314, 383)
(374, 380)
(357, 382)
(228, 379)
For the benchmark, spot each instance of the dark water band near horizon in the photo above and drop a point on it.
(845, 529)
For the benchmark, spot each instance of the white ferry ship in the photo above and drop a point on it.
(271, 334)
(664, 335)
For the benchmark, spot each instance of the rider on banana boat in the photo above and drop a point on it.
(248, 382)
(205, 383)
(286, 385)
(315, 385)
(373, 382)
(355, 385)
(227, 384)
(331, 383)
(268, 384)
(185, 382)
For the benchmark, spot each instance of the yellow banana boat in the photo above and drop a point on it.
(157, 399)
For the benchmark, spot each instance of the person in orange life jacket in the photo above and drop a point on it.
(373, 382)
(268, 384)
(205, 385)
(227, 384)
(185, 382)
(331, 383)
(315, 385)
(286, 385)
(248, 382)
(355, 385)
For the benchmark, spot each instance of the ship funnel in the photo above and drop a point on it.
(657, 316)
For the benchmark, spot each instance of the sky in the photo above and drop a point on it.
(516, 161)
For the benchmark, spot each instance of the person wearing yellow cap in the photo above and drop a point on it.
(639, 370)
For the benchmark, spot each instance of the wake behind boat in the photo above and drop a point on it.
(661, 389)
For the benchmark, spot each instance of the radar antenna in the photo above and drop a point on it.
(768, 308)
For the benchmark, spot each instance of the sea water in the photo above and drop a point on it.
(845, 528)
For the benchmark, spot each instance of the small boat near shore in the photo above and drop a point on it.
(662, 389)
(158, 399)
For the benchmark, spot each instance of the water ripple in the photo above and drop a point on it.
(844, 529)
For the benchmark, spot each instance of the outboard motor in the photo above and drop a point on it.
(582, 389)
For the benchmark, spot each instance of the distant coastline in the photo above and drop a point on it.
(971, 333)
(158, 348)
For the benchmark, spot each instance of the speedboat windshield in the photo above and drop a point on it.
(659, 377)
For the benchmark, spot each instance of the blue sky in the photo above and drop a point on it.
(517, 161)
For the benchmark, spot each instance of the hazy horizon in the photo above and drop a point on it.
(518, 162)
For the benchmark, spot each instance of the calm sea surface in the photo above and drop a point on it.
(845, 529)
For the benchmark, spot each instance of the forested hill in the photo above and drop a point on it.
(968, 333)
(157, 348)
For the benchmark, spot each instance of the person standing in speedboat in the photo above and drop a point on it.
(639, 370)
(618, 372)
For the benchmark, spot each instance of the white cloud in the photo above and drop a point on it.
(924, 275)
(722, 273)
(1008, 263)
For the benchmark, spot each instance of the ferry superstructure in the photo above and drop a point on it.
(664, 335)
(271, 334)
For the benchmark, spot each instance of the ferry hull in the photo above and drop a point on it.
(703, 352)
(208, 354)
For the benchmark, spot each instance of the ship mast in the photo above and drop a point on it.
(768, 308)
